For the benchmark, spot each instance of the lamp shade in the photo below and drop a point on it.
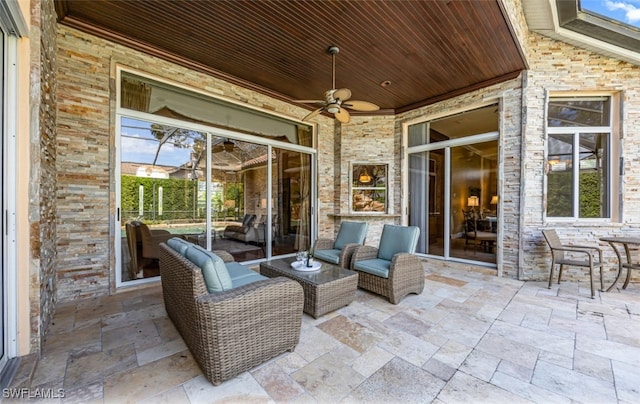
(364, 177)
(473, 201)
(494, 200)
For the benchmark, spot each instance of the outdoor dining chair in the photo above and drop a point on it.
(559, 257)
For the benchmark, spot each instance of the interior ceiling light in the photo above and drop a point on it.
(365, 178)
(228, 145)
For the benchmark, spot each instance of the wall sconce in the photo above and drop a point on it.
(263, 203)
(494, 200)
(364, 177)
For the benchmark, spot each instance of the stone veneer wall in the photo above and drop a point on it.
(86, 159)
(370, 140)
(580, 70)
(42, 190)
(557, 66)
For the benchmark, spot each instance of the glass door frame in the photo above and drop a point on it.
(446, 146)
(212, 131)
(8, 255)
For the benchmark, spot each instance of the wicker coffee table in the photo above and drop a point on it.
(325, 290)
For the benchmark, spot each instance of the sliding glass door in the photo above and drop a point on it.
(224, 187)
(453, 185)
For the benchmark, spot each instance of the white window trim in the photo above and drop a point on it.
(576, 131)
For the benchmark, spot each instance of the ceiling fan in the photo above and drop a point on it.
(336, 101)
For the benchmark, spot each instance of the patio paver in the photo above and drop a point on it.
(469, 337)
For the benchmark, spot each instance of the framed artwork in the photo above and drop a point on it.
(369, 183)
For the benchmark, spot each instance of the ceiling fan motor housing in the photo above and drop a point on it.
(333, 108)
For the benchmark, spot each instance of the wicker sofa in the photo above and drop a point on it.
(236, 329)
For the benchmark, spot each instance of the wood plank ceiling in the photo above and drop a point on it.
(428, 50)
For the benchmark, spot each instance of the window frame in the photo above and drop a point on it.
(576, 132)
(356, 168)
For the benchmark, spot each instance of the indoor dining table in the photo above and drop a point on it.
(617, 243)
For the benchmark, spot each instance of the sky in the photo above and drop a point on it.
(627, 11)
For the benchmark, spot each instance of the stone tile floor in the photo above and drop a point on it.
(469, 337)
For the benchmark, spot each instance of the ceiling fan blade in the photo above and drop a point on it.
(342, 115)
(342, 94)
(361, 105)
(313, 114)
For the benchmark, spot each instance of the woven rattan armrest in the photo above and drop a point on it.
(346, 255)
(224, 255)
(324, 244)
(404, 262)
(363, 252)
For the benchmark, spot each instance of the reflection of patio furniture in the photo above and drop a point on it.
(151, 240)
(134, 243)
(484, 239)
(140, 236)
(340, 250)
(201, 238)
(325, 290)
(392, 270)
(245, 231)
(558, 257)
(237, 328)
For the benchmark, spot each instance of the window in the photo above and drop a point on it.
(369, 188)
(579, 156)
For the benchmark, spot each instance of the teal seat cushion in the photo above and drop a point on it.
(214, 271)
(376, 266)
(332, 256)
(245, 280)
(397, 239)
(351, 232)
(179, 245)
(237, 271)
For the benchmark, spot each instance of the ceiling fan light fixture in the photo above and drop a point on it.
(333, 108)
(336, 100)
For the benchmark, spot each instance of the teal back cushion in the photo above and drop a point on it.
(397, 239)
(214, 271)
(179, 245)
(351, 232)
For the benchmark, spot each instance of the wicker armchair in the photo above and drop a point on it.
(392, 270)
(339, 251)
(232, 331)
